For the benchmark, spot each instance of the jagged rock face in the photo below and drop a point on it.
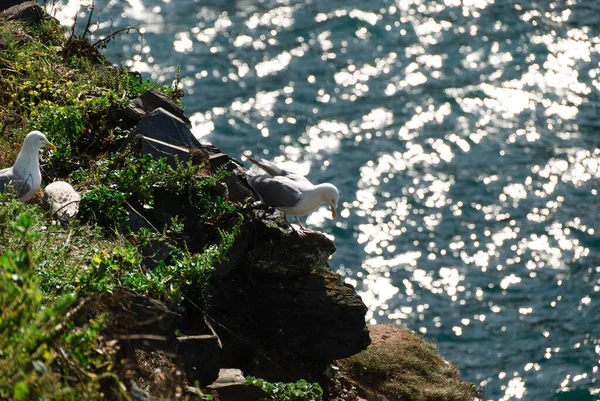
(142, 323)
(313, 316)
(290, 255)
(274, 295)
(28, 11)
(150, 101)
(279, 295)
(164, 126)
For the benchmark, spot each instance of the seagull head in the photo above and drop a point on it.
(37, 140)
(331, 195)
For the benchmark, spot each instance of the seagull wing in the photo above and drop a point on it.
(269, 168)
(275, 171)
(9, 178)
(275, 191)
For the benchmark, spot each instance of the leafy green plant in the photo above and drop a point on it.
(121, 268)
(38, 355)
(135, 179)
(298, 391)
(105, 206)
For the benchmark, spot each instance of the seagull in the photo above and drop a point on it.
(290, 193)
(25, 176)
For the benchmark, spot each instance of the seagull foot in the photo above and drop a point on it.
(303, 232)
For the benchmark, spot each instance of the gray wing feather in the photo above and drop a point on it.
(269, 167)
(8, 178)
(275, 171)
(274, 192)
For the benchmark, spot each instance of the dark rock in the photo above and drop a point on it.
(200, 357)
(264, 248)
(291, 255)
(314, 316)
(140, 315)
(6, 4)
(166, 127)
(145, 326)
(28, 11)
(231, 386)
(218, 160)
(153, 252)
(238, 189)
(153, 99)
(213, 150)
(155, 148)
(132, 114)
(235, 256)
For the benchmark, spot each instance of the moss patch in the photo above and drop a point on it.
(403, 366)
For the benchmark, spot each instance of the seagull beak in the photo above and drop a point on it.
(51, 147)
(333, 212)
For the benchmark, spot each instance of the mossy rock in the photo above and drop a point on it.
(400, 365)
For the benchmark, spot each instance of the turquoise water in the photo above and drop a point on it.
(463, 136)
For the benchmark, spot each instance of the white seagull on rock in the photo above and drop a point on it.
(290, 193)
(25, 176)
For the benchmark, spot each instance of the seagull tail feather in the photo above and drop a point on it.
(268, 167)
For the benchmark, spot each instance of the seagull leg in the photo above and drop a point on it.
(303, 230)
(288, 222)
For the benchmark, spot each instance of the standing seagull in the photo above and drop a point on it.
(290, 193)
(25, 176)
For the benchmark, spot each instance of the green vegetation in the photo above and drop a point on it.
(299, 391)
(410, 368)
(129, 179)
(38, 341)
(60, 86)
(56, 85)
